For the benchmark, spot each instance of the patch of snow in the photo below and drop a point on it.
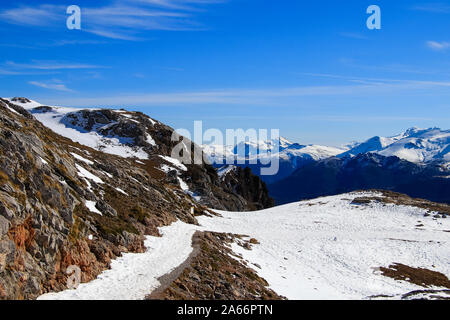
(183, 184)
(91, 206)
(43, 160)
(78, 157)
(150, 140)
(166, 168)
(223, 171)
(82, 172)
(121, 191)
(11, 109)
(107, 174)
(175, 162)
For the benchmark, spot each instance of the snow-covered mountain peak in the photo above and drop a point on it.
(421, 146)
(285, 143)
(415, 145)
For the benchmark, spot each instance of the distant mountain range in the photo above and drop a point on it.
(415, 162)
(291, 155)
(414, 145)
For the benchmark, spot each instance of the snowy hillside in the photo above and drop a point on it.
(72, 123)
(327, 248)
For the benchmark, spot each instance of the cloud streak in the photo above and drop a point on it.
(433, 7)
(51, 86)
(267, 96)
(121, 20)
(51, 65)
(438, 46)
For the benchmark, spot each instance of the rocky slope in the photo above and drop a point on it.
(243, 182)
(65, 202)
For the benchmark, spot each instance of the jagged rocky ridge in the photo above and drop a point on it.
(65, 203)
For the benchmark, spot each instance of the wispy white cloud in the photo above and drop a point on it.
(11, 73)
(42, 15)
(267, 96)
(51, 65)
(353, 35)
(433, 7)
(438, 46)
(391, 68)
(114, 35)
(177, 4)
(61, 43)
(122, 20)
(51, 86)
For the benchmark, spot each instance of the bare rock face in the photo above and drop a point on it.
(243, 182)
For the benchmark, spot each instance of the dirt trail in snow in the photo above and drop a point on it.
(134, 275)
(167, 279)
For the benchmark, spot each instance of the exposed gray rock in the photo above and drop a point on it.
(4, 226)
(5, 212)
(105, 208)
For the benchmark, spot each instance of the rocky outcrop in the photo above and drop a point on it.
(249, 186)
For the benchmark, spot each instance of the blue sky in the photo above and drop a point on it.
(310, 68)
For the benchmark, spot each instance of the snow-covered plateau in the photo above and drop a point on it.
(327, 248)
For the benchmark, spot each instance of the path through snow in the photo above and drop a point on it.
(134, 275)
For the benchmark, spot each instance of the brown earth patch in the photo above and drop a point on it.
(390, 197)
(22, 234)
(419, 276)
